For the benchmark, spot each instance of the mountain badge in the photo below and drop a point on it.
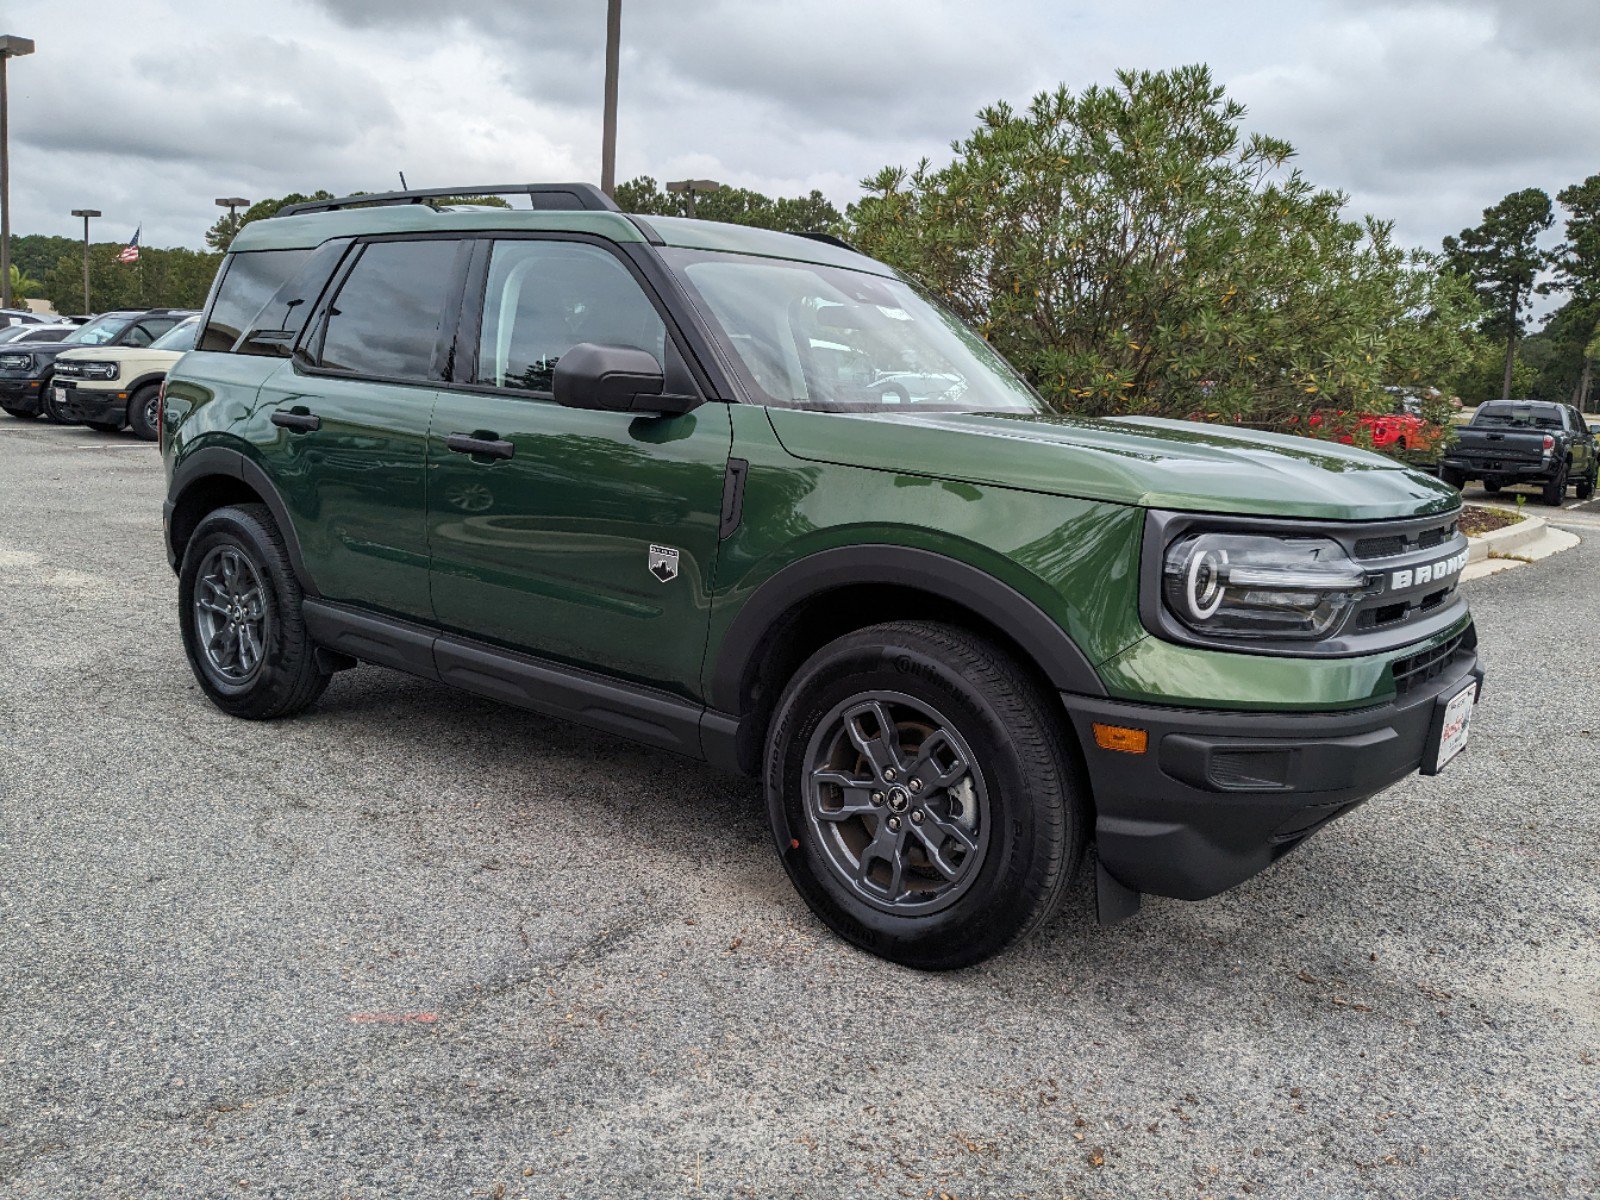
(663, 563)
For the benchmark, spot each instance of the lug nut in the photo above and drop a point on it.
(916, 816)
(891, 774)
(877, 797)
(914, 786)
(894, 824)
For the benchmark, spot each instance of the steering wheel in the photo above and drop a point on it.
(888, 386)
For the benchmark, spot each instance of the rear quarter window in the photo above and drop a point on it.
(249, 281)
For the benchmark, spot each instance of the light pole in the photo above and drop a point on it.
(86, 213)
(608, 129)
(10, 47)
(234, 203)
(694, 187)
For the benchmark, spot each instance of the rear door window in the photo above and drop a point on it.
(386, 319)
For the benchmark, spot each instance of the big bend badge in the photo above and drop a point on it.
(664, 563)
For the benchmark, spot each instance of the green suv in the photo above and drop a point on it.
(755, 498)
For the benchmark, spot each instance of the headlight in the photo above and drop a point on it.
(16, 362)
(97, 370)
(1245, 586)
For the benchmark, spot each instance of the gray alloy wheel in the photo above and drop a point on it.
(230, 615)
(896, 801)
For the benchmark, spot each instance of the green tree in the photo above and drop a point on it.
(1576, 263)
(1501, 257)
(226, 229)
(162, 278)
(812, 213)
(1132, 251)
(23, 285)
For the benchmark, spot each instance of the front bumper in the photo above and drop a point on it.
(1219, 796)
(91, 404)
(24, 395)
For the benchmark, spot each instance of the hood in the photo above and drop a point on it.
(115, 353)
(1143, 461)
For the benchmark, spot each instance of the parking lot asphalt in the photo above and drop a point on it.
(414, 944)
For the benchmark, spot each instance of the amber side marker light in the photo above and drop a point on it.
(1120, 737)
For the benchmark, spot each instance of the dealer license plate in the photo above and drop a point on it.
(1457, 725)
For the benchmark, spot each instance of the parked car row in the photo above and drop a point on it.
(105, 374)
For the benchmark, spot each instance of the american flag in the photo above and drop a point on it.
(130, 252)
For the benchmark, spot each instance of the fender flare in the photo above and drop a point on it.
(210, 462)
(144, 380)
(1040, 637)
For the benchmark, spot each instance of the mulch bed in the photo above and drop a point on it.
(1476, 520)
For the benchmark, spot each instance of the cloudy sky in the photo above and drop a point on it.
(1424, 111)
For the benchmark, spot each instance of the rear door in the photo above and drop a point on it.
(349, 416)
(588, 537)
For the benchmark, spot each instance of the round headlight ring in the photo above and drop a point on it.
(1204, 594)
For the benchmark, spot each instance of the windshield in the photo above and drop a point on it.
(1518, 416)
(180, 337)
(837, 340)
(98, 331)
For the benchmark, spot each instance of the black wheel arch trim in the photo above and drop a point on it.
(1041, 638)
(222, 461)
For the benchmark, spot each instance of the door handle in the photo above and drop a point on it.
(465, 443)
(303, 421)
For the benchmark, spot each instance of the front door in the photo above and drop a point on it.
(585, 537)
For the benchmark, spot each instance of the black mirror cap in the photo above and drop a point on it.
(614, 379)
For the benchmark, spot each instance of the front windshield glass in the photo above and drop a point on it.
(180, 337)
(837, 340)
(1514, 416)
(98, 331)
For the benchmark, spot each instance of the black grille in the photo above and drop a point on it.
(1415, 670)
(1393, 544)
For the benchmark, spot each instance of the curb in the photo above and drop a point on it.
(1504, 541)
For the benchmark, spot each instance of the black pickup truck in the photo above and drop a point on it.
(1525, 441)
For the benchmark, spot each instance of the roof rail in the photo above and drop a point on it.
(549, 196)
(829, 239)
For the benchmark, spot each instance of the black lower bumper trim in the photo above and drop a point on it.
(86, 404)
(1219, 796)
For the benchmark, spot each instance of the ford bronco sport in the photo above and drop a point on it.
(753, 497)
(113, 386)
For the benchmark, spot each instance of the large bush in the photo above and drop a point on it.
(1134, 251)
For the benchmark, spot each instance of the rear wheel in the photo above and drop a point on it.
(922, 794)
(1556, 490)
(144, 412)
(239, 609)
(1492, 486)
(1586, 485)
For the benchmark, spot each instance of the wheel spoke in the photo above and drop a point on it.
(926, 765)
(878, 748)
(211, 607)
(933, 844)
(857, 799)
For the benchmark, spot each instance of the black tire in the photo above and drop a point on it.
(1027, 805)
(1587, 484)
(142, 415)
(1492, 486)
(105, 426)
(1452, 476)
(1555, 491)
(21, 414)
(286, 676)
(48, 409)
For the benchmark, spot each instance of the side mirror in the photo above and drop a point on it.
(620, 379)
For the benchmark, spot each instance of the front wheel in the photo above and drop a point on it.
(144, 411)
(49, 410)
(923, 795)
(239, 609)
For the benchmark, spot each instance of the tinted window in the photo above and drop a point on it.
(543, 298)
(147, 331)
(180, 337)
(385, 319)
(276, 326)
(250, 280)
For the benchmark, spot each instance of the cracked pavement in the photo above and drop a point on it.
(415, 944)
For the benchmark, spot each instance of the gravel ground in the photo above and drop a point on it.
(412, 944)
